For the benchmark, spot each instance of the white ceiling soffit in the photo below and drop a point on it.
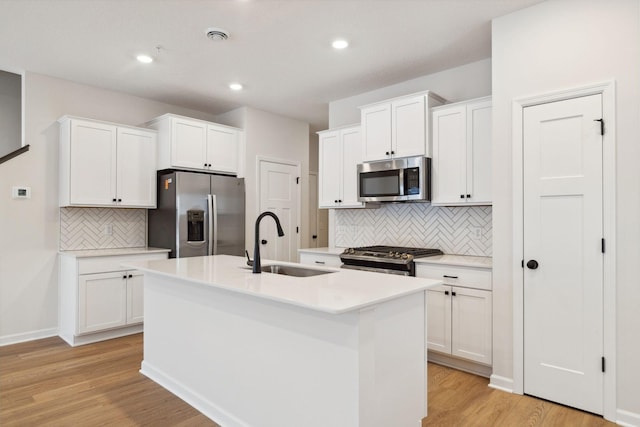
(280, 51)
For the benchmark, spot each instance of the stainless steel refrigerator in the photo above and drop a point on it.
(198, 214)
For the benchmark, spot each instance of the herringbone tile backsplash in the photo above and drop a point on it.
(454, 230)
(87, 228)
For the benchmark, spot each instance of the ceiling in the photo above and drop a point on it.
(279, 50)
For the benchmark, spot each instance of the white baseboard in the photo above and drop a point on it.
(28, 336)
(501, 383)
(460, 364)
(628, 419)
(194, 399)
(74, 340)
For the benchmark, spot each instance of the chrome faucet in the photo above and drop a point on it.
(256, 248)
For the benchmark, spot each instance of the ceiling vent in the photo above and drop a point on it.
(217, 34)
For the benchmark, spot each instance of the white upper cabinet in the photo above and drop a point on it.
(186, 143)
(340, 151)
(105, 164)
(398, 127)
(461, 173)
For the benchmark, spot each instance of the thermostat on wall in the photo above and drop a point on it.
(21, 192)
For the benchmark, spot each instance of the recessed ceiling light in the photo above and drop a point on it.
(340, 44)
(235, 86)
(145, 59)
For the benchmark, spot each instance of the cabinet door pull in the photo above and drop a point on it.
(119, 200)
(124, 277)
(446, 292)
(453, 293)
(462, 196)
(449, 277)
(130, 276)
(114, 200)
(387, 153)
(319, 262)
(468, 196)
(393, 152)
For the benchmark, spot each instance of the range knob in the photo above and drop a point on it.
(352, 251)
(405, 256)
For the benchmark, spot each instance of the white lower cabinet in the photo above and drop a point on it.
(99, 299)
(459, 313)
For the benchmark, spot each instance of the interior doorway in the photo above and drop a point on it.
(562, 186)
(279, 192)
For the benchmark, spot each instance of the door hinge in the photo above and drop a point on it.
(602, 247)
(522, 263)
(297, 180)
(601, 125)
(603, 366)
(297, 230)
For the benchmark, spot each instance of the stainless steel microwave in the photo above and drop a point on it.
(402, 179)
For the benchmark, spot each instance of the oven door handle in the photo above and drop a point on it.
(377, 270)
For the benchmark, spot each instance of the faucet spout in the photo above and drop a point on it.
(257, 268)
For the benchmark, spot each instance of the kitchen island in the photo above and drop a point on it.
(346, 348)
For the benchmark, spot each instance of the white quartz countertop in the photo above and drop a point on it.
(338, 292)
(86, 253)
(459, 260)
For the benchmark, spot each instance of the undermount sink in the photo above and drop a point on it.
(288, 270)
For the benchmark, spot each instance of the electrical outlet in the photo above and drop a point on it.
(476, 233)
(108, 230)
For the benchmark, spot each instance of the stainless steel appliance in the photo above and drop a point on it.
(198, 214)
(385, 259)
(402, 179)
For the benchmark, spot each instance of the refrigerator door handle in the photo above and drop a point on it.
(213, 224)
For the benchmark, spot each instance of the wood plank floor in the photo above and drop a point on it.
(48, 383)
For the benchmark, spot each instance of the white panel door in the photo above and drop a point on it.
(135, 297)
(329, 158)
(351, 156)
(92, 164)
(563, 311)
(449, 155)
(439, 319)
(471, 324)
(313, 210)
(408, 127)
(280, 194)
(136, 184)
(188, 143)
(102, 301)
(479, 152)
(376, 132)
(222, 149)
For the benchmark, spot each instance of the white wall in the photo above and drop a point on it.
(456, 84)
(548, 47)
(275, 137)
(29, 229)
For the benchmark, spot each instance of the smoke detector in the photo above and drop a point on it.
(217, 34)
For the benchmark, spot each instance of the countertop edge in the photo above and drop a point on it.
(90, 253)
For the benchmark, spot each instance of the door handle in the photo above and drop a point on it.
(532, 264)
(263, 241)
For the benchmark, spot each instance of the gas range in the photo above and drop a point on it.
(385, 259)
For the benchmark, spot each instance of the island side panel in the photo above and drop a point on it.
(246, 361)
(393, 363)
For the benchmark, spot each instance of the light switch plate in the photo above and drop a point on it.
(21, 192)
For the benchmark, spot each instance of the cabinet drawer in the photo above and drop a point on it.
(103, 264)
(327, 260)
(456, 276)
